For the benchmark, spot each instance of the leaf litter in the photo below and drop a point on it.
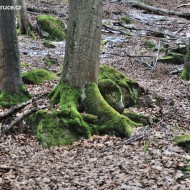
(104, 162)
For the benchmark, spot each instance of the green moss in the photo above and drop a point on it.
(53, 27)
(68, 100)
(11, 99)
(126, 19)
(112, 94)
(130, 89)
(49, 61)
(137, 118)
(183, 140)
(149, 44)
(186, 168)
(50, 130)
(37, 76)
(24, 64)
(103, 43)
(48, 44)
(174, 58)
(185, 75)
(110, 121)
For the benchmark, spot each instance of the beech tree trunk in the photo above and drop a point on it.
(24, 23)
(83, 42)
(10, 76)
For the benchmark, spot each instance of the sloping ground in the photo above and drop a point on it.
(106, 162)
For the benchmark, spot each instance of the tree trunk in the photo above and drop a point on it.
(10, 79)
(82, 109)
(10, 75)
(185, 75)
(24, 24)
(83, 42)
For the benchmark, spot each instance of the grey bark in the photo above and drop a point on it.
(83, 42)
(10, 76)
(24, 23)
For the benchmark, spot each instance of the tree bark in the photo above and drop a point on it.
(10, 75)
(83, 42)
(24, 23)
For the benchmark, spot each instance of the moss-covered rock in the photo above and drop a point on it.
(183, 141)
(11, 99)
(137, 118)
(112, 94)
(51, 28)
(37, 76)
(129, 88)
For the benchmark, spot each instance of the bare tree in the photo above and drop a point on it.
(11, 89)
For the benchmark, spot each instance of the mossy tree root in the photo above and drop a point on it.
(11, 99)
(109, 120)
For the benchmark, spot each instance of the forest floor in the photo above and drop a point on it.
(104, 162)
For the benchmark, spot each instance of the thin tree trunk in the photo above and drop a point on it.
(10, 76)
(24, 23)
(83, 42)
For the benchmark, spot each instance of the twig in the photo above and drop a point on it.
(20, 106)
(4, 167)
(156, 58)
(18, 119)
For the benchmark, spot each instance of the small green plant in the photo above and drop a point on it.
(146, 146)
(149, 44)
(126, 19)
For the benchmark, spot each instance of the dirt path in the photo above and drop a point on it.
(106, 162)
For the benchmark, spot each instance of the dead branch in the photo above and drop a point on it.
(6, 128)
(45, 10)
(4, 167)
(183, 5)
(158, 10)
(20, 106)
(109, 29)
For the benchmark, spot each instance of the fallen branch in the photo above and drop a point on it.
(45, 10)
(183, 5)
(158, 10)
(109, 29)
(6, 128)
(20, 106)
(4, 167)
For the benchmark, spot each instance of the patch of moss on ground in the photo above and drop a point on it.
(24, 64)
(53, 26)
(126, 19)
(48, 44)
(183, 141)
(149, 44)
(11, 99)
(48, 61)
(185, 168)
(37, 76)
